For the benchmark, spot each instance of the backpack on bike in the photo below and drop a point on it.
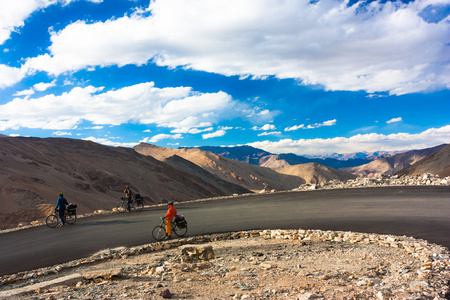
(181, 221)
(72, 209)
(138, 198)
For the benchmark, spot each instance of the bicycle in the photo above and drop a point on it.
(136, 204)
(179, 227)
(70, 215)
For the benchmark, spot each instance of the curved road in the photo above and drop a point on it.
(421, 212)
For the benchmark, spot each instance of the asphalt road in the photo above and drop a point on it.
(421, 212)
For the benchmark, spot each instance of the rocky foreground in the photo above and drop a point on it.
(380, 180)
(268, 264)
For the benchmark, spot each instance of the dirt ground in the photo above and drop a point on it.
(253, 268)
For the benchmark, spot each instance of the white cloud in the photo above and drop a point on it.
(373, 47)
(394, 120)
(265, 127)
(191, 130)
(28, 92)
(296, 127)
(162, 136)
(143, 103)
(218, 133)
(312, 126)
(14, 13)
(42, 86)
(107, 142)
(318, 125)
(269, 133)
(360, 142)
(61, 133)
(10, 75)
(329, 123)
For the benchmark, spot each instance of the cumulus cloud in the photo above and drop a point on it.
(61, 133)
(269, 133)
(27, 92)
(13, 14)
(10, 75)
(218, 133)
(366, 46)
(107, 142)
(360, 142)
(191, 130)
(43, 86)
(265, 127)
(162, 136)
(394, 120)
(143, 103)
(296, 127)
(311, 126)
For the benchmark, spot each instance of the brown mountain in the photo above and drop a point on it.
(316, 173)
(33, 171)
(436, 163)
(250, 176)
(392, 165)
(273, 161)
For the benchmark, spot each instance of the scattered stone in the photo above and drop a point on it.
(262, 264)
(191, 253)
(166, 294)
(105, 274)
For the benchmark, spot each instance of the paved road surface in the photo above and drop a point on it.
(421, 212)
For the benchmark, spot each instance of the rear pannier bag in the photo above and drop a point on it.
(181, 221)
(72, 209)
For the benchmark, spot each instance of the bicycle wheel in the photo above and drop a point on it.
(159, 232)
(121, 206)
(138, 206)
(70, 219)
(179, 231)
(51, 221)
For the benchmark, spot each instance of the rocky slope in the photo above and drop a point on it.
(314, 173)
(268, 264)
(252, 177)
(263, 158)
(436, 163)
(392, 165)
(33, 171)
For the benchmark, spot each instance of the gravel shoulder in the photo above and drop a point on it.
(297, 264)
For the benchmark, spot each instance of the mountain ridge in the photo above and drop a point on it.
(393, 164)
(250, 176)
(33, 171)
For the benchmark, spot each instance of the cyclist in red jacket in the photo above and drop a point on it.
(171, 213)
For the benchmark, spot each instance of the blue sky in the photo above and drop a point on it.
(306, 77)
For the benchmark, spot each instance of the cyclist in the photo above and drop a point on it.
(61, 206)
(128, 194)
(171, 213)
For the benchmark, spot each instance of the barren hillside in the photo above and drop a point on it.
(33, 171)
(436, 163)
(316, 173)
(392, 165)
(249, 176)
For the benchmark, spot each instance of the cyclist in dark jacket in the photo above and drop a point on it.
(61, 206)
(128, 194)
